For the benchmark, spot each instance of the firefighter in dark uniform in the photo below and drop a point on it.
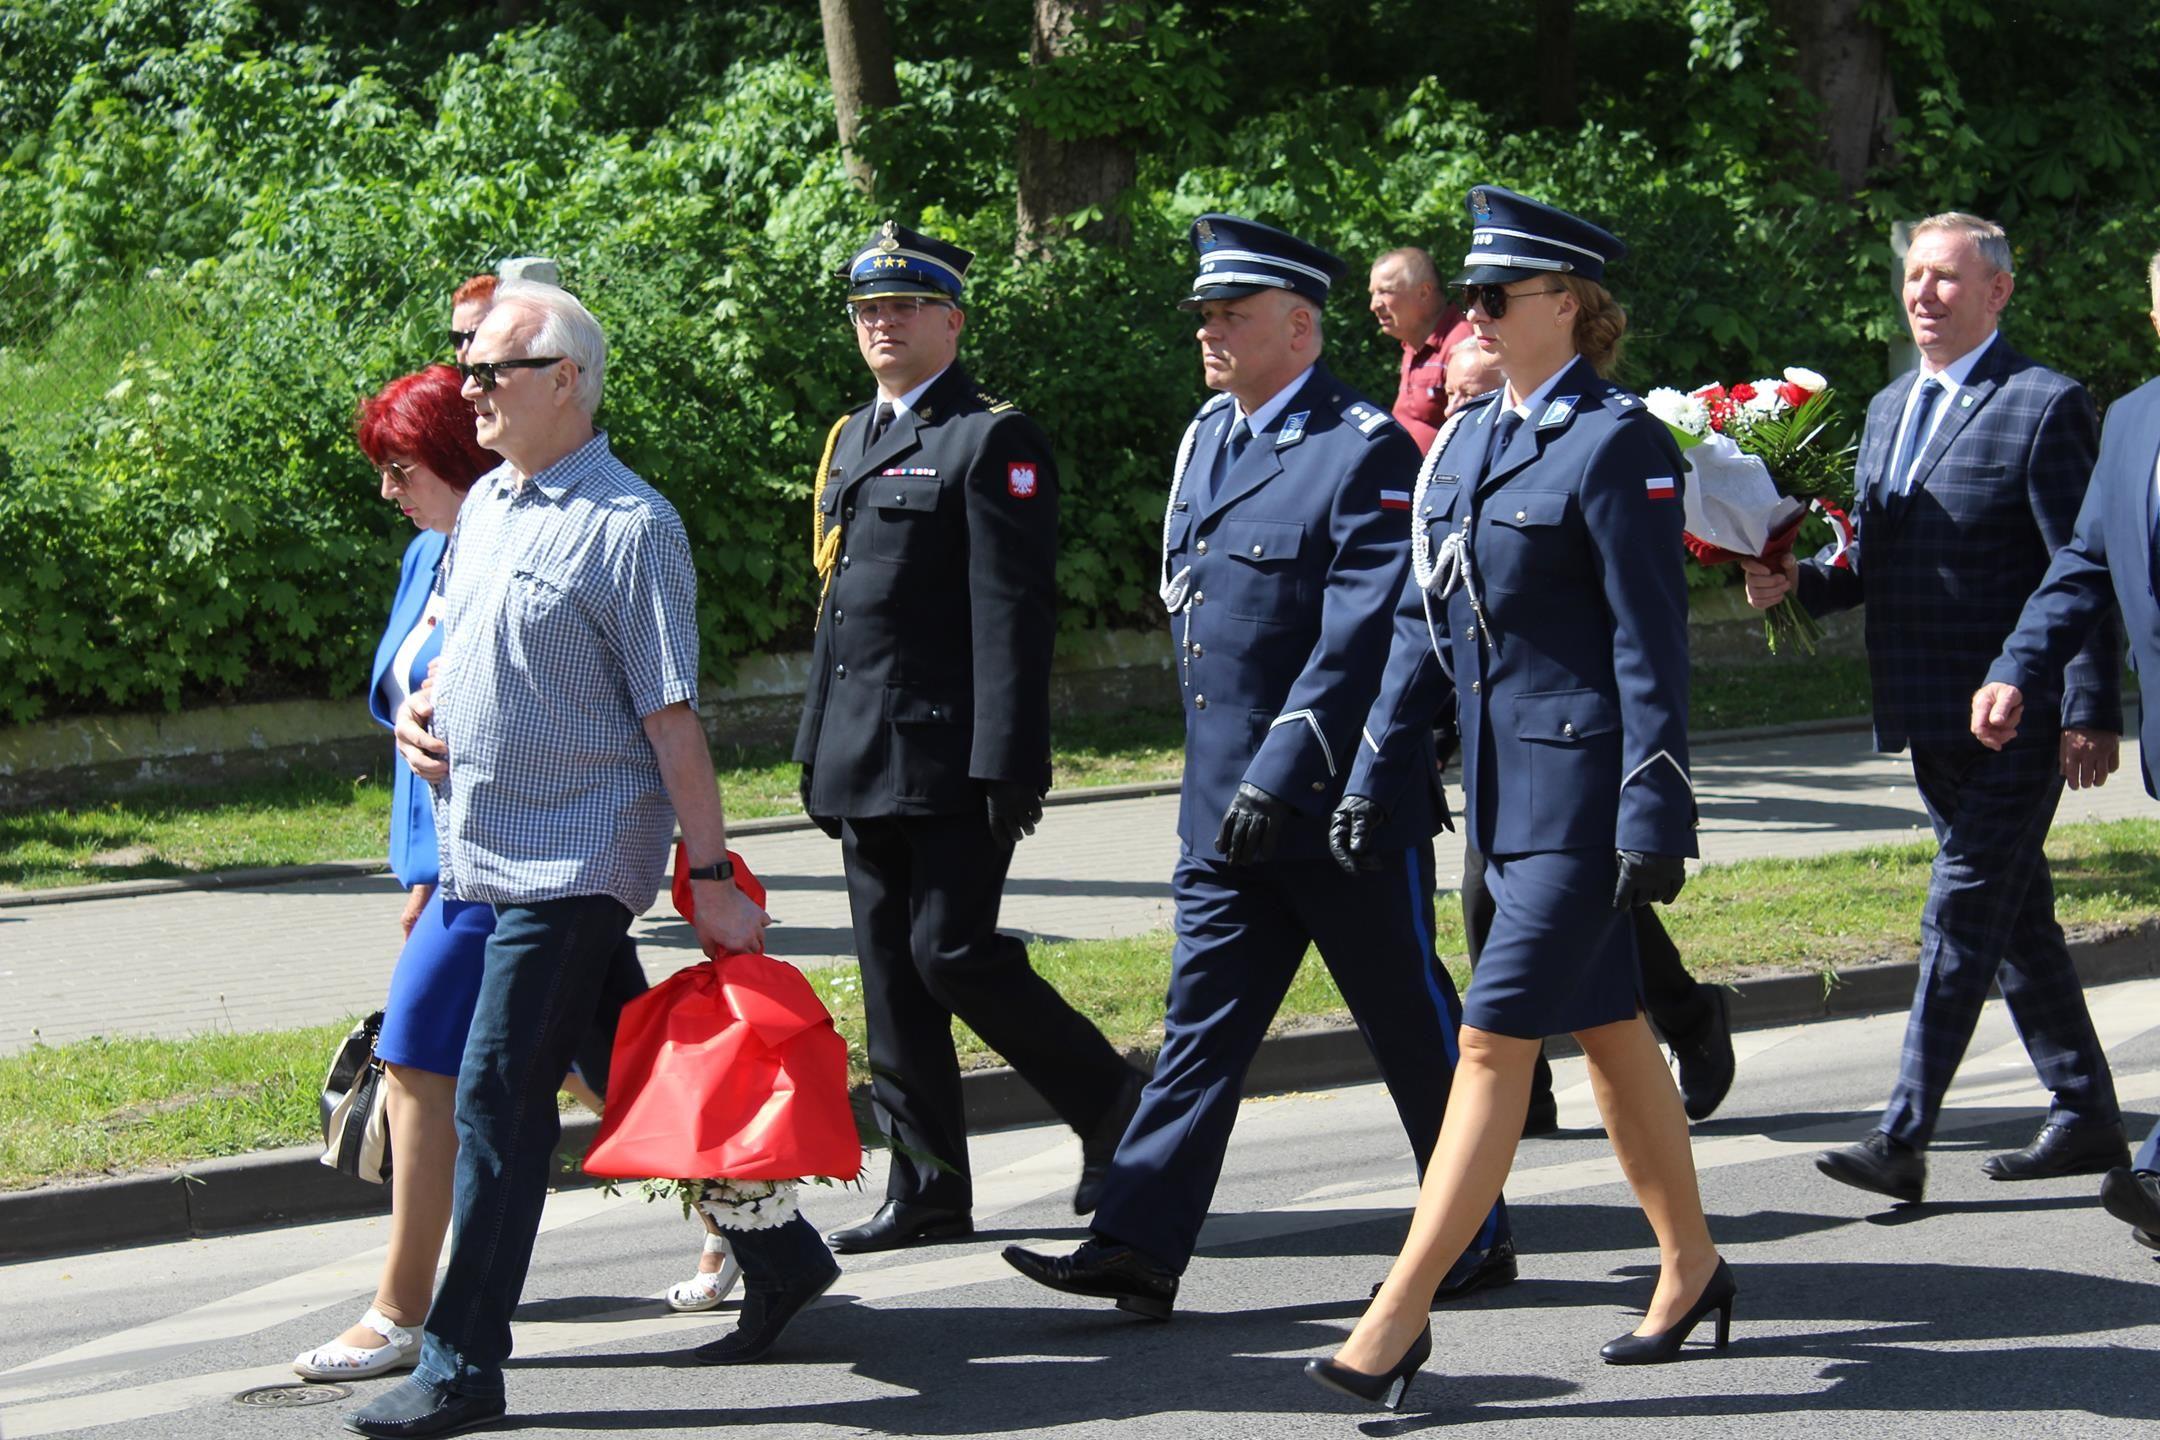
(1285, 543)
(925, 737)
(1547, 604)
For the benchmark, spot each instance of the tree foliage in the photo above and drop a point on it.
(222, 221)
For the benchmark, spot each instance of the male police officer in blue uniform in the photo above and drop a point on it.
(925, 738)
(1283, 548)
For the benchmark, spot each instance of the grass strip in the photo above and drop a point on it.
(110, 1106)
(306, 817)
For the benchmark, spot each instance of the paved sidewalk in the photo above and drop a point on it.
(272, 956)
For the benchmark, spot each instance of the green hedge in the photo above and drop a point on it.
(225, 221)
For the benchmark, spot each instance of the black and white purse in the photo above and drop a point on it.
(355, 1119)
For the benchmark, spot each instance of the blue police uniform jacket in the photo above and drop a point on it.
(413, 856)
(1279, 585)
(2111, 561)
(1572, 684)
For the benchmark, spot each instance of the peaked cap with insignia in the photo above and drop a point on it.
(1241, 257)
(1514, 237)
(897, 261)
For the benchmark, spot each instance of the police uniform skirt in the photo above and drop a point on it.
(435, 986)
(1559, 957)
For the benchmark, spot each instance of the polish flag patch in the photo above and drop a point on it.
(1659, 487)
(1020, 481)
(1394, 500)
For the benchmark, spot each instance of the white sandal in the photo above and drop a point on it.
(400, 1350)
(702, 1291)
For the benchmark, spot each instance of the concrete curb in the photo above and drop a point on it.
(279, 1187)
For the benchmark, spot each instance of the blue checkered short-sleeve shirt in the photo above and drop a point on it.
(569, 614)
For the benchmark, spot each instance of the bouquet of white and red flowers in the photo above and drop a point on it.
(1758, 462)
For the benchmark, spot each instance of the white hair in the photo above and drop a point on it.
(1987, 236)
(567, 329)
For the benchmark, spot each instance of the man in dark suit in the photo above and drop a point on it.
(925, 737)
(2110, 567)
(1284, 544)
(1970, 477)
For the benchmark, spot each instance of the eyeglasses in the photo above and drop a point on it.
(395, 474)
(895, 310)
(459, 339)
(485, 371)
(1494, 299)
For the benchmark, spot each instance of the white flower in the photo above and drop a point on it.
(1765, 400)
(1806, 379)
(1681, 412)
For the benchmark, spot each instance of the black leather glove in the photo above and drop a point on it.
(1350, 833)
(1013, 808)
(826, 823)
(1252, 827)
(1648, 879)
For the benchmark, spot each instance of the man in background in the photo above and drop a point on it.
(1407, 300)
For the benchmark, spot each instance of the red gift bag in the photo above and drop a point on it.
(730, 1069)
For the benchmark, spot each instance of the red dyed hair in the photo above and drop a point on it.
(423, 417)
(480, 287)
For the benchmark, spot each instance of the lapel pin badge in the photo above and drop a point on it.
(1293, 429)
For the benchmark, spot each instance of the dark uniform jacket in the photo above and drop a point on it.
(1944, 570)
(2112, 561)
(1573, 708)
(1288, 571)
(931, 669)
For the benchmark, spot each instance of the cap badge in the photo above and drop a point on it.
(887, 240)
(1480, 207)
(1206, 232)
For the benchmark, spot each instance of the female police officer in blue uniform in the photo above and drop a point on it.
(1547, 603)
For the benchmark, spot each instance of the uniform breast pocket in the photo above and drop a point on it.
(905, 511)
(927, 749)
(1265, 580)
(1571, 739)
(1524, 540)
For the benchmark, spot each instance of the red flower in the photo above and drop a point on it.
(1709, 394)
(1793, 395)
(1741, 393)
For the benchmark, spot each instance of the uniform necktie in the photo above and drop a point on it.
(881, 421)
(1225, 459)
(1503, 431)
(1910, 444)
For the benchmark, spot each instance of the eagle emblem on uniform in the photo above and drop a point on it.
(1020, 480)
(1480, 207)
(1206, 232)
(887, 240)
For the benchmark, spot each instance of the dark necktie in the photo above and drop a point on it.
(1503, 431)
(1226, 459)
(1914, 440)
(881, 421)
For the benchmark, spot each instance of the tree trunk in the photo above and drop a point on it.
(1842, 59)
(1058, 177)
(1556, 63)
(859, 57)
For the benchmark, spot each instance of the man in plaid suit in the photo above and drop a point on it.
(1970, 477)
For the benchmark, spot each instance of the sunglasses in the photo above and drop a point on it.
(459, 339)
(486, 371)
(395, 473)
(1493, 299)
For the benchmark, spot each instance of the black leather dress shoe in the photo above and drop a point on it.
(1706, 1058)
(899, 1223)
(2060, 1150)
(1878, 1163)
(1476, 1270)
(1104, 1271)
(2133, 1197)
(420, 1408)
(1100, 1148)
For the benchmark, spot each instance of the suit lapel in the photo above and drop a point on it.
(1262, 460)
(1880, 443)
(904, 438)
(1971, 399)
(1554, 415)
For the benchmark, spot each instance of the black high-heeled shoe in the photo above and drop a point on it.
(1665, 1344)
(1386, 1390)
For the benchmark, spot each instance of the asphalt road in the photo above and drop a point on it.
(1990, 1310)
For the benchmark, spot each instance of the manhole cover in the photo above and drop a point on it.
(291, 1397)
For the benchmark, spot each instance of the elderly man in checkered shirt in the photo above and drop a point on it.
(563, 740)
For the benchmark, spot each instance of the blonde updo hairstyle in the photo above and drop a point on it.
(1599, 322)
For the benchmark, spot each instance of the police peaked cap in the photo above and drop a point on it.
(1243, 257)
(894, 261)
(1513, 237)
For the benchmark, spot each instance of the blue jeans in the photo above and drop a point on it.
(547, 965)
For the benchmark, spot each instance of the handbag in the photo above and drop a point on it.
(355, 1105)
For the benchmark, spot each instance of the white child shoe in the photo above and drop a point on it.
(702, 1291)
(400, 1350)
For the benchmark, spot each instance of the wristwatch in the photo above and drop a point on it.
(718, 870)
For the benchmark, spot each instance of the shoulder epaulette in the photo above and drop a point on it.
(1367, 419)
(992, 403)
(1621, 400)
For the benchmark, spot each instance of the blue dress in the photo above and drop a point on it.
(437, 980)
